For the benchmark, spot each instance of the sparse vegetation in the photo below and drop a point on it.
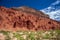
(30, 35)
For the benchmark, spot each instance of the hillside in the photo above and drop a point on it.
(25, 18)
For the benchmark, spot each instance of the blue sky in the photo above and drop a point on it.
(50, 7)
(37, 4)
(53, 10)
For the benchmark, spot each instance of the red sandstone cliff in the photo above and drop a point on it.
(25, 18)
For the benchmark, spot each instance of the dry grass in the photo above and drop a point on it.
(30, 35)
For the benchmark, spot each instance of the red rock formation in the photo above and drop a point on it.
(25, 18)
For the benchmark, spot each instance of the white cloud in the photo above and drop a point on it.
(53, 12)
(57, 2)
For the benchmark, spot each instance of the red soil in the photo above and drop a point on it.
(25, 18)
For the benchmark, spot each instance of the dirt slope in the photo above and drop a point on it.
(25, 18)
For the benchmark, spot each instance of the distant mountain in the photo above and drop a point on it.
(25, 18)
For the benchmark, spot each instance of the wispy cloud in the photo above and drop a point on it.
(55, 3)
(53, 12)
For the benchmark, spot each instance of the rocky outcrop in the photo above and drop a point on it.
(25, 18)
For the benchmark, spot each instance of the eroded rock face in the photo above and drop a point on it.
(23, 18)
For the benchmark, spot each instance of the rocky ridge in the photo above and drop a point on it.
(25, 18)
